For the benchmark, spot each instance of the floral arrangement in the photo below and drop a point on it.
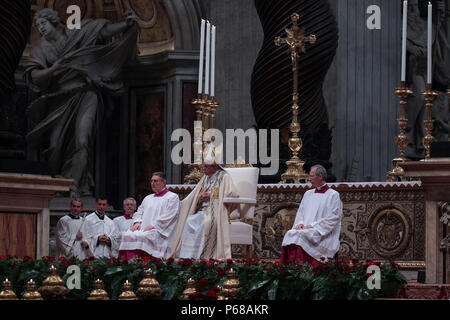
(259, 280)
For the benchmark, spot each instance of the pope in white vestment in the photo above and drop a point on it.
(153, 223)
(317, 224)
(203, 229)
(105, 236)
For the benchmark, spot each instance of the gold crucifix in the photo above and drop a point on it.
(296, 41)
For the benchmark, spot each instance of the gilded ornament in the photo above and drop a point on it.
(127, 292)
(149, 286)
(98, 292)
(190, 288)
(7, 292)
(230, 286)
(53, 287)
(31, 292)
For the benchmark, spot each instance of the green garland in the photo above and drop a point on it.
(259, 280)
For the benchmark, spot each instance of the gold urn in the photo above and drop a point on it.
(53, 287)
(220, 295)
(190, 288)
(127, 292)
(98, 292)
(7, 292)
(230, 286)
(31, 292)
(149, 286)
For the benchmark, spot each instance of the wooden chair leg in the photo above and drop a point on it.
(249, 251)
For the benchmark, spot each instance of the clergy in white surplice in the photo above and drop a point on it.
(72, 233)
(314, 237)
(153, 223)
(125, 222)
(203, 229)
(105, 236)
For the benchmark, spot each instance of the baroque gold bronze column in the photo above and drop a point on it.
(296, 40)
(429, 95)
(402, 139)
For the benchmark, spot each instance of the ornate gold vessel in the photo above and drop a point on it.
(7, 292)
(127, 292)
(231, 286)
(53, 287)
(190, 288)
(31, 292)
(98, 292)
(149, 286)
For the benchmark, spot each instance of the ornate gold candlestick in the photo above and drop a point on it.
(296, 41)
(195, 169)
(98, 292)
(127, 292)
(402, 139)
(190, 288)
(149, 287)
(429, 95)
(206, 114)
(7, 292)
(53, 287)
(205, 109)
(213, 105)
(231, 286)
(31, 292)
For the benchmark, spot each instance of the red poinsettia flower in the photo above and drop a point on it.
(211, 294)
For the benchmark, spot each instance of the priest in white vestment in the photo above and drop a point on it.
(125, 221)
(105, 236)
(314, 238)
(72, 233)
(203, 228)
(153, 223)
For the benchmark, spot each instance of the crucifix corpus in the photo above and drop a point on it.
(296, 41)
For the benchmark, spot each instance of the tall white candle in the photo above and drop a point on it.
(213, 58)
(208, 54)
(405, 15)
(429, 43)
(202, 48)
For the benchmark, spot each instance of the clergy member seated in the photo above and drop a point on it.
(104, 234)
(72, 233)
(203, 229)
(124, 222)
(314, 238)
(153, 223)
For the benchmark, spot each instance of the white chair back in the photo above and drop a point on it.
(246, 182)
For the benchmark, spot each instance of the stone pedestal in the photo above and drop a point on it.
(435, 177)
(25, 203)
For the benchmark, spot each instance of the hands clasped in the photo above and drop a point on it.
(301, 226)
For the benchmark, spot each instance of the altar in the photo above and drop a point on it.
(381, 220)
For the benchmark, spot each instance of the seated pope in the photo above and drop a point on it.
(203, 229)
(153, 223)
